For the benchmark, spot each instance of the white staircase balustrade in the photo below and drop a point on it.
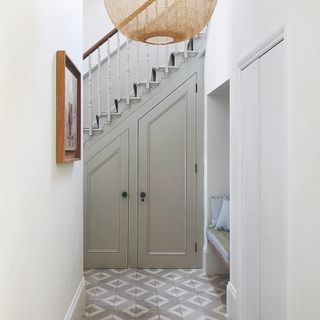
(124, 85)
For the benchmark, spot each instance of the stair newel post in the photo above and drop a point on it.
(166, 70)
(99, 82)
(90, 97)
(118, 67)
(108, 83)
(148, 68)
(128, 74)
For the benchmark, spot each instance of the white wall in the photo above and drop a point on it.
(40, 202)
(217, 144)
(234, 32)
(304, 114)
(96, 22)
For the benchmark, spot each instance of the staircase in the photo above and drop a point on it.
(122, 75)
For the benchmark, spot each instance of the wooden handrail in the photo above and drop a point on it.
(115, 30)
(100, 43)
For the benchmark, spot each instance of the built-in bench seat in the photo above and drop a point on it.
(221, 241)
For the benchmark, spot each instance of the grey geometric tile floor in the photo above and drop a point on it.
(152, 294)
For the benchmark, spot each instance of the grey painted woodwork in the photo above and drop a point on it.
(167, 221)
(106, 221)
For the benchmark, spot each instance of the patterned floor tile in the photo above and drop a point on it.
(152, 294)
(148, 285)
(190, 312)
(91, 290)
(124, 315)
(92, 276)
(124, 304)
(88, 308)
(217, 314)
(150, 303)
(171, 314)
(147, 272)
(101, 311)
(125, 284)
(184, 294)
(128, 294)
(192, 302)
(104, 293)
(164, 285)
(185, 284)
(165, 304)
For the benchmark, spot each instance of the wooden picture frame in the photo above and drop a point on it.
(68, 109)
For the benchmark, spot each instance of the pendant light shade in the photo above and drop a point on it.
(160, 21)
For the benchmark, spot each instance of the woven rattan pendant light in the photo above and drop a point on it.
(160, 21)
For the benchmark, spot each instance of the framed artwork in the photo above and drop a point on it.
(68, 126)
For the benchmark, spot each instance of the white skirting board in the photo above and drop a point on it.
(231, 302)
(77, 306)
(212, 263)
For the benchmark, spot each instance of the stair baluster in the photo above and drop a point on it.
(90, 97)
(108, 83)
(128, 75)
(166, 69)
(99, 82)
(158, 57)
(138, 63)
(148, 68)
(185, 52)
(118, 67)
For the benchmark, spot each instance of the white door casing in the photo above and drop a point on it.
(106, 208)
(167, 218)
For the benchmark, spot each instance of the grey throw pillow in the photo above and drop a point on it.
(223, 222)
(215, 208)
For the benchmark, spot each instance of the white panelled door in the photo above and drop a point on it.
(167, 182)
(106, 206)
(263, 196)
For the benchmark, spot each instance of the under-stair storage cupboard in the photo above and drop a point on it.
(141, 188)
(263, 186)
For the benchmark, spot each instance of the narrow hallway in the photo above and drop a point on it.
(150, 294)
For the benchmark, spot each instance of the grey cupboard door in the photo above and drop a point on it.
(167, 156)
(106, 207)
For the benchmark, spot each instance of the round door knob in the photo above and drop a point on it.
(124, 194)
(142, 196)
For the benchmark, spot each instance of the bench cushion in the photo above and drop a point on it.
(221, 241)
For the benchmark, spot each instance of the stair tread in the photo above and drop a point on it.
(93, 129)
(169, 67)
(191, 52)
